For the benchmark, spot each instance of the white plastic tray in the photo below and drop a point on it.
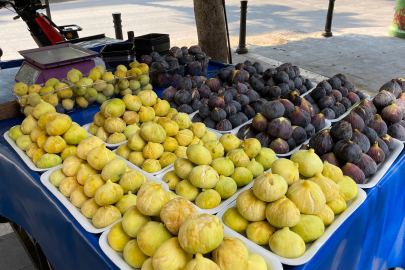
(223, 204)
(83, 221)
(23, 155)
(383, 167)
(117, 258)
(108, 145)
(311, 248)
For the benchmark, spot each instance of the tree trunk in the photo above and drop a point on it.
(210, 21)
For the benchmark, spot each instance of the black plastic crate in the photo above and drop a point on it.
(118, 54)
(146, 44)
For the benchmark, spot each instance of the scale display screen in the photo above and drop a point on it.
(28, 75)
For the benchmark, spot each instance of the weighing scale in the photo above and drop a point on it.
(55, 61)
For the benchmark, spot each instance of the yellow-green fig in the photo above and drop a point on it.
(100, 156)
(266, 157)
(67, 186)
(181, 152)
(327, 216)
(23, 142)
(182, 119)
(204, 176)
(175, 212)
(338, 205)
(48, 161)
(184, 137)
(242, 176)
(259, 232)
(238, 157)
(99, 119)
(171, 128)
(171, 256)
(215, 148)
(224, 166)
(151, 235)
(161, 107)
(232, 254)
(102, 133)
(201, 263)
(41, 140)
(132, 181)
(93, 183)
(230, 142)
(15, 132)
(151, 166)
(130, 117)
(250, 207)
(30, 150)
(56, 177)
(43, 120)
(198, 129)
(287, 169)
(208, 199)
(307, 196)
(201, 234)
(147, 97)
(136, 142)
(309, 228)
(282, 213)
(187, 190)
(132, 103)
(255, 167)
(38, 153)
(153, 150)
(58, 125)
(123, 151)
(287, 244)
(85, 171)
(151, 198)
(148, 264)
(331, 171)
(42, 108)
(209, 136)
(89, 208)
(256, 262)
(146, 114)
(36, 132)
(130, 130)
(113, 108)
(226, 187)
(167, 159)
(133, 220)
(170, 144)
(309, 162)
(251, 147)
(105, 216)
(234, 220)
(55, 144)
(183, 167)
(330, 188)
(347, 188)
(77, 197)
(114, 124)
(87, 145)
(269, 187)
(114, 170)
(109, 193)
(117, 238)
(72, 165)
(28, 124)
(116, 138)
(136, 158)
(126, 202)
(198, 154)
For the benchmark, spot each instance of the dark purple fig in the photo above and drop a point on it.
(348, 151)
(242, 99)
(204, 101)
(264, 138)
(354, 172)
(184, 83)
(336, 110)
(291, 84)
(365, 114)
(318, 121)
(218, 114)
(343, 91)
(172, 62)
(288, 107)
(325, 85)
(186, 59)
(341, 77)
(260, 122)
(230, 110)
(184, 50)
(240, 66)
(246, 132)
(146, 59)
(310, 130)
(252, 95)
(256, 84)
(173, 105)
(376, 153)
(328, 113)
(298, 118)
(270, 82)
(307, 106)
(251, 69)
(185, 108)
(331, 159)
(237, 105)
(240, 88)
(238, 119)
(316, 109)
(297, 82)
(290, 71)
(383, 146)
(341, 107)
(379, 126)
(248, 111)
(273, 109)
(291, 143)
(297, 71)
(353, 97)
(262, 101)
(279, 146)
(233, 91)
(256, 107)
(308, 84)
(355, 121)
(247, 63)
(393, 87)
(383, 99)
(349, 86)
(273, 91)
(303, 90)
(402, 123)
(342, 130)
(216, 101)
(204, 91)
(204, 111)
(347, 103)
(367, 165)
(304, 147)
(361, 140)
(371, 135)
(269, 73)
(337, 95)
(321, 142)
(401, 82)
(280, 128)
(182, 97)
(195, 95)
(389, 142)
(294, 97)
(326, 102)
(359, 94)
(224, 125)
(195, 105)
(228, 97)
(318, 93)
(310, 99)
(299, 135)
(401, 103)
(396, 131)
(169, 93)
(197, 118)
(225, 73)
(195, 49)
(213, 84)
(369, 105)
(335, 82)
(282, 77)
(258, 67)
(210, 123)
(392, 114)
(284, 88)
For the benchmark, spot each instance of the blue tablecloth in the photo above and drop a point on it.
(372, 238)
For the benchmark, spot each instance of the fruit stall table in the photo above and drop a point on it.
(372, 237)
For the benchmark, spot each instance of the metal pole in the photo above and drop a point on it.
(131, 36)
(227, 34)
(242, 31)
(48, 9)
(329, 17)
(117, 25)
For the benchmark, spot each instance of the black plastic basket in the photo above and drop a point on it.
(146, 44)
(118, 54)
